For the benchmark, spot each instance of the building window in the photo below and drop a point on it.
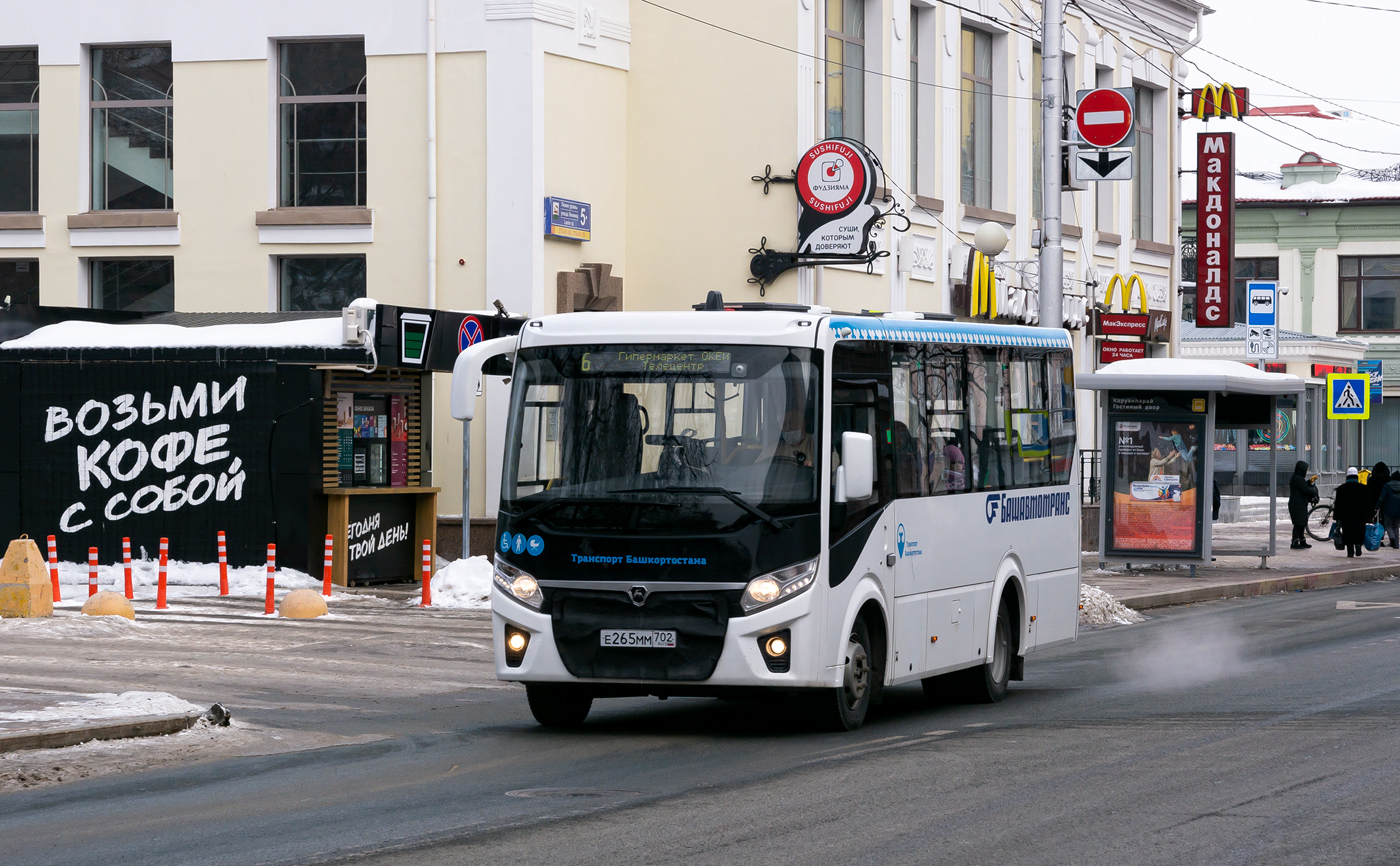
(1037, 152)
(142, 285)
(132, 104)
(1369, 295)
(19, 281)
(915, 20)
(19, 129)
(1103, 192)
(1143, 165)
(976, 118)
(845, 69)
(1246, 270)
(321, 115)
(320, 282)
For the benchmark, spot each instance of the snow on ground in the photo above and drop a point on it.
(465, 583)
(182, 579)
(1097, 607)
(90, 707)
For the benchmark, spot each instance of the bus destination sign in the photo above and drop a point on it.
(657, 362)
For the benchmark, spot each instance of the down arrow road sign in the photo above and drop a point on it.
(1101, 164)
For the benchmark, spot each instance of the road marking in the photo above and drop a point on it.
(862, 744)
(977, 725)
(936, 733)
(1366, 605)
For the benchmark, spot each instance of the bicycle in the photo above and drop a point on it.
(1319, 524)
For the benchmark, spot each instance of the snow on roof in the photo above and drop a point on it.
(313, 333)
(1236, 334)
(1187, 374)
(1264, 144)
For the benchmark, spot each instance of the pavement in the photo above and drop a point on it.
(1259, 730)
(1143, 586)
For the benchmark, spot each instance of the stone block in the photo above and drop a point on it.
(25, 588)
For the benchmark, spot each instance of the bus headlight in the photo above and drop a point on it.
(775, 586)
(518, 584)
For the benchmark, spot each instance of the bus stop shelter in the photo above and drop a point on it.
(1158, 439)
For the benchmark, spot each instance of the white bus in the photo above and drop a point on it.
(783, 498)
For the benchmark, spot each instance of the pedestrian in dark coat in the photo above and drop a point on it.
(1389, 507)
(1351, 507)
(1214, 500)
(1379, 478)
(1302, 495)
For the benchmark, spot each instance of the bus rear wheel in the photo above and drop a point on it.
(847, 705)
(558, 706)
(986, 684)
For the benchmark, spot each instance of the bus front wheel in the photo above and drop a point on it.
(558, 706)
(847, 705)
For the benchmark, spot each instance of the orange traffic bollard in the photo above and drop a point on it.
(223, 564)
(427, 574)
(160, 577)
(326, 581)
(271, 572)
(126, 566)
(53, 566)
(92, 572)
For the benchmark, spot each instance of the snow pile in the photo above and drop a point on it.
(181, 579)
(126, 705)
(1097, 607)
(464, 583)
(317, 333)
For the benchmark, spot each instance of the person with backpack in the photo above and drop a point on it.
(1389, 507)
(1352, 509)
(1302, 495)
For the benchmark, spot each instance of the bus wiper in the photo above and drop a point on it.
(560, 500)
(716, 491)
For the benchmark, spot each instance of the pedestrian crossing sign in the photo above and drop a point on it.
(1349, 396)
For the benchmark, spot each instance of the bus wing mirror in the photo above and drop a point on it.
(858, 461)
(466, 373)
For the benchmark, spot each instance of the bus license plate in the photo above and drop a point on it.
(635, 638)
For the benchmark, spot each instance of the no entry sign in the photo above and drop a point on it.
(1104, 117)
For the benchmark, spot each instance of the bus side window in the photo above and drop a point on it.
(1060, 384)
(946, 388)
(908, 433)
(990, 416)
(1030, 421)
(860, 400)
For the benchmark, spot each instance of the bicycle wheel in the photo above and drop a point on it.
(1319, 522)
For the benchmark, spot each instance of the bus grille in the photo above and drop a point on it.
(699, 619)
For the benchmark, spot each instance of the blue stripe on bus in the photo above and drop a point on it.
(951, 332)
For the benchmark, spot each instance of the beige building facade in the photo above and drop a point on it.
(267, 156)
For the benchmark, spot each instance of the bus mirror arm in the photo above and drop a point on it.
(856, 474)
(840, 493)
(466, 373)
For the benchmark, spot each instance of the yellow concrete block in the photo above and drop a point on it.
(108, 603)
(303, 604)
(25, 588)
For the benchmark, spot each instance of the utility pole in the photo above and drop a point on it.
(1052, 253)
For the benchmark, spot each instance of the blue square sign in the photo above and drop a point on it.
(1349, 396)
(1263, 303)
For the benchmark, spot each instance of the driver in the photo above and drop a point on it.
(796, 443)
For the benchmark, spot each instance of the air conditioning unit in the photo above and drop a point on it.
(354, 325)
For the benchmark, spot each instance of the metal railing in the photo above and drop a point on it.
(1090, 475)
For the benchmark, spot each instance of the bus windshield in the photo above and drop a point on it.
(663, 437)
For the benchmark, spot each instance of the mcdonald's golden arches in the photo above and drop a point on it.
(982, 279)
(1127, 286)
(1211, 100)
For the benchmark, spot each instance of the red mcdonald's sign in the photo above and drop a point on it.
(1116, 350)
(1215, 227)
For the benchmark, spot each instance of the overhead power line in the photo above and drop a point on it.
(1353, 5)
(819, 59)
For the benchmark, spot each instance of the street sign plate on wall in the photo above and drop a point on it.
(1104, 117)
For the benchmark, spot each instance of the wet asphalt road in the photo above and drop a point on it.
(1261, 730)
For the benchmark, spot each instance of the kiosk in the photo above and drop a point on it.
(1161, 415)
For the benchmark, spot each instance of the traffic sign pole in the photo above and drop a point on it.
(1052, 254)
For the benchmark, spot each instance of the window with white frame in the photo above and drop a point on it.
(19, 130)
(1103, 190)
(845, 69)
(1143, 159)
(133, 164)
(144, 285)
(976, 131)
(320, 282)
(915, 22)
(321, 120)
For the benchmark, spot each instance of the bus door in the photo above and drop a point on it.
(906, 453)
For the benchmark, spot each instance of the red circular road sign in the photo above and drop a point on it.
(1104, 117)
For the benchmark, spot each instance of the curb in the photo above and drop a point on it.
(1266, 586)
(114, 729)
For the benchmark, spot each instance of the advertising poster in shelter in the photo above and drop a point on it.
(1156, 467)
